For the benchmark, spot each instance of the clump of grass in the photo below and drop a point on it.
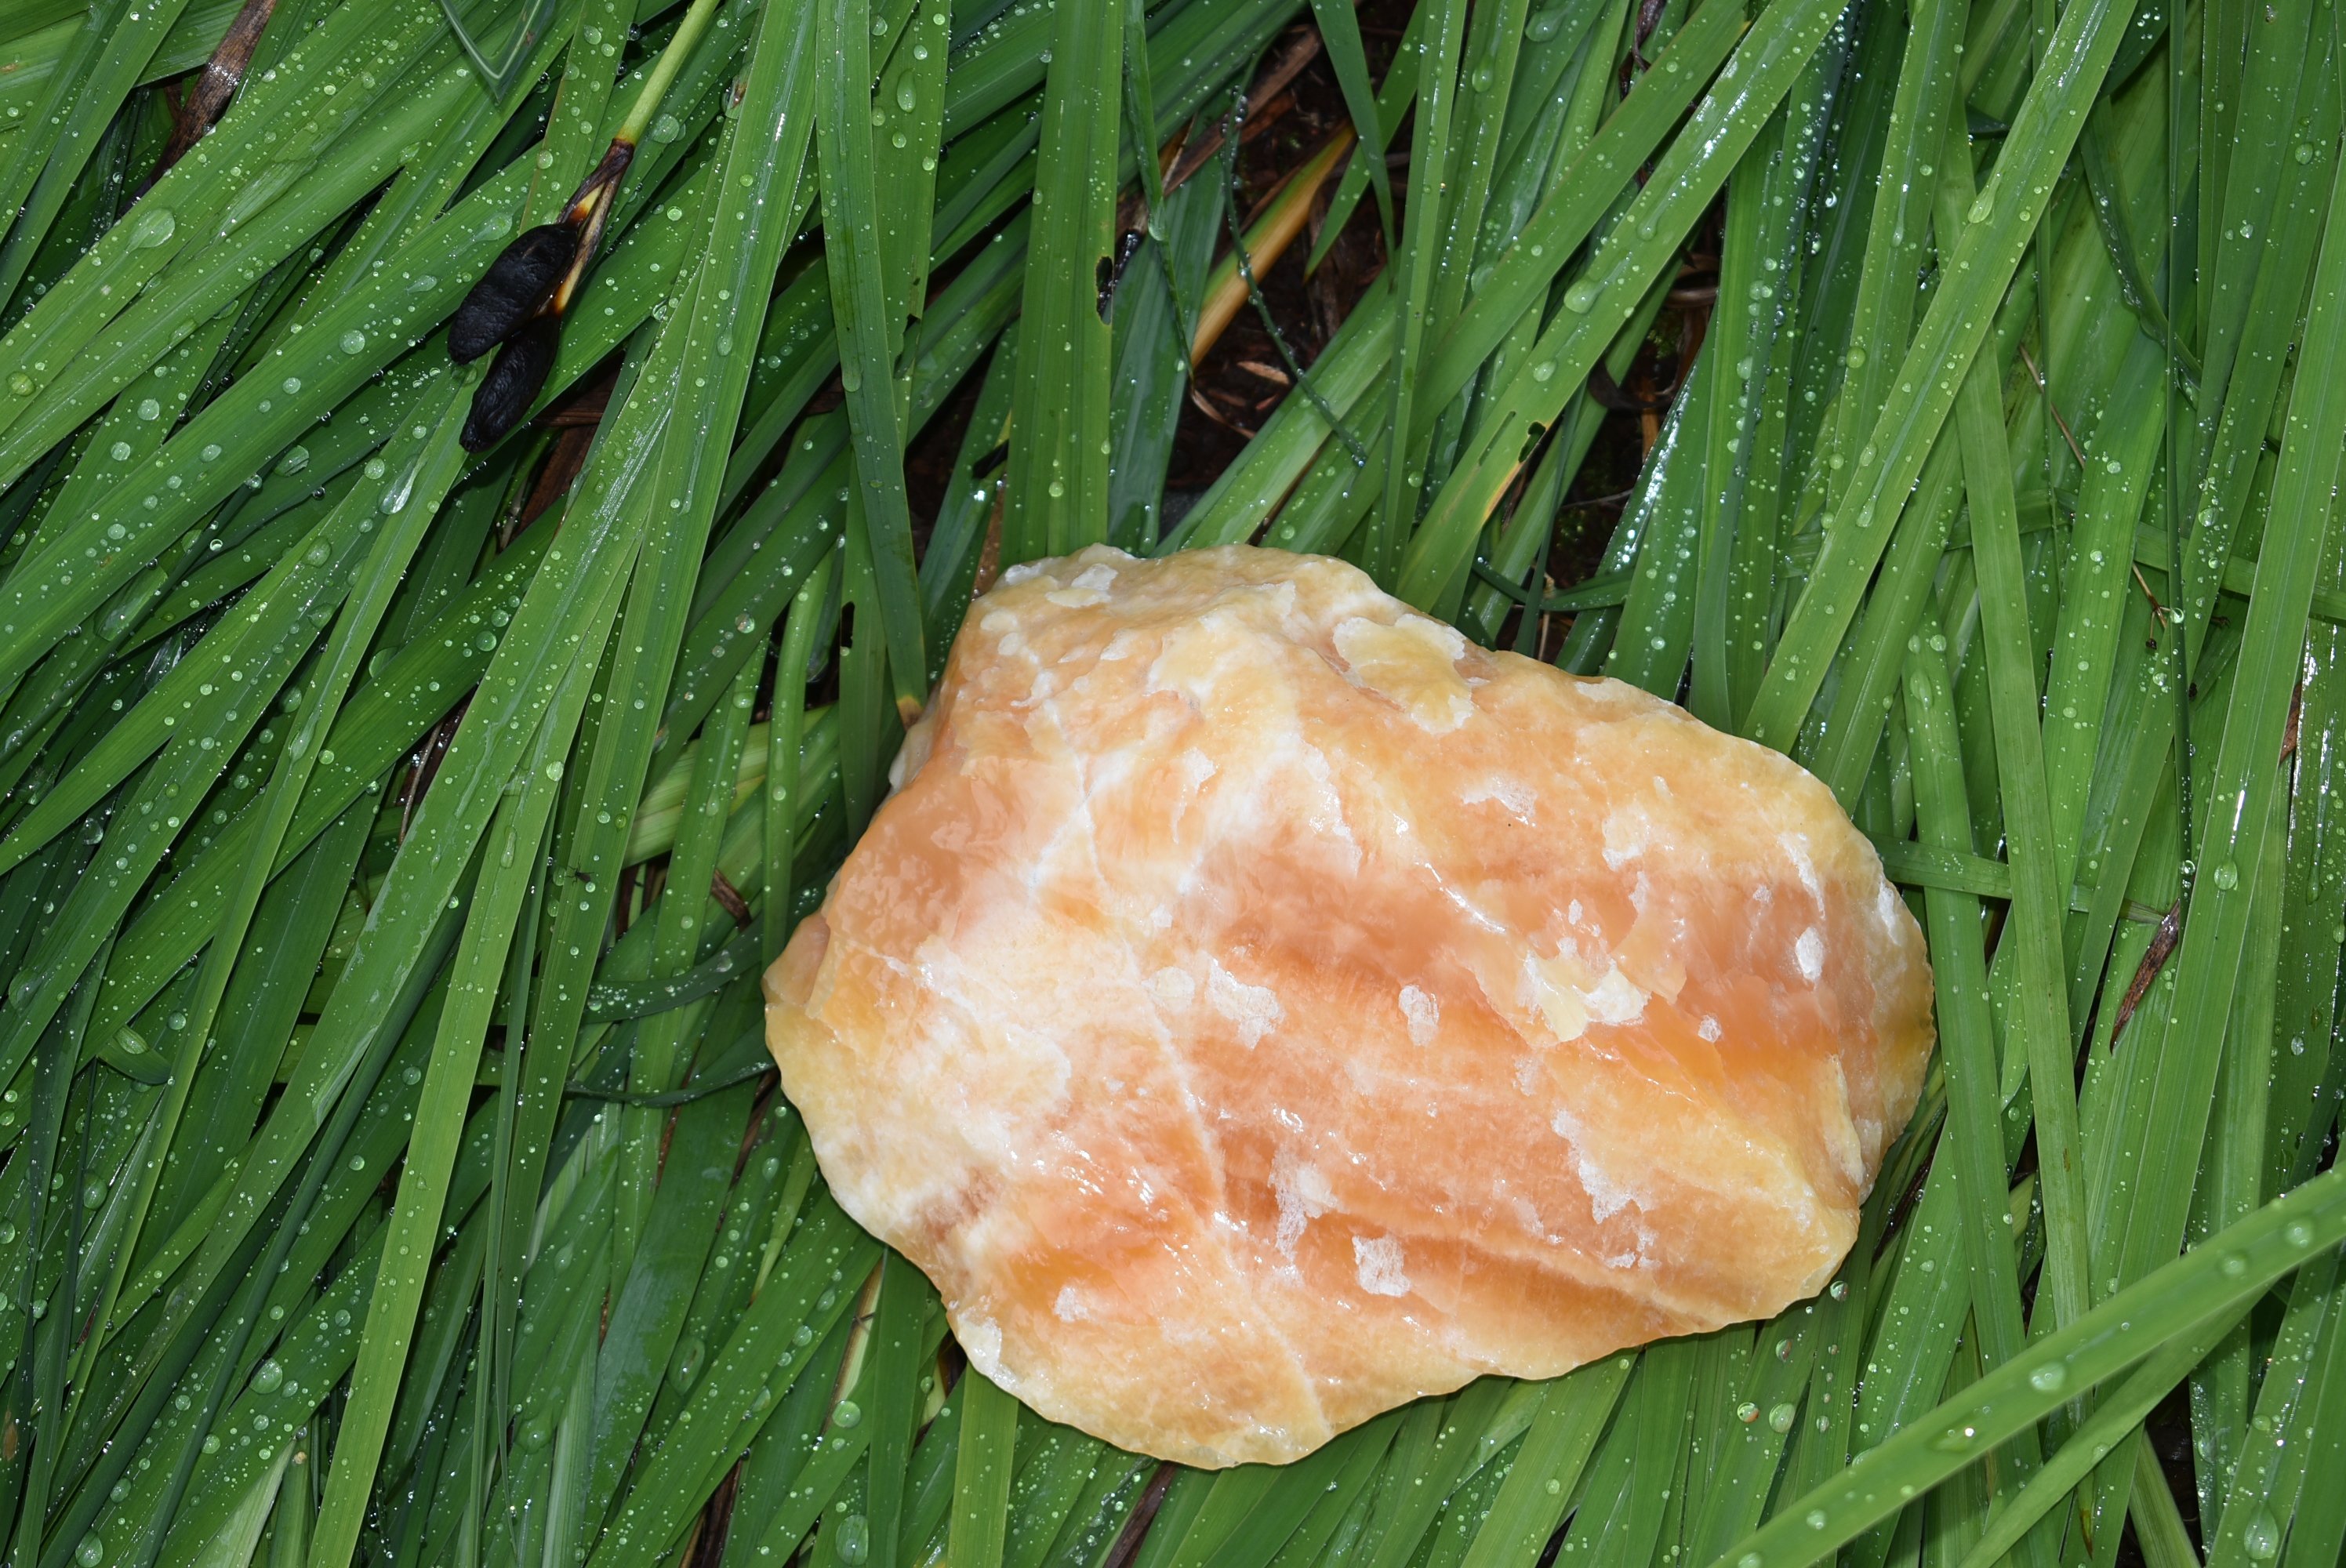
(398, 806)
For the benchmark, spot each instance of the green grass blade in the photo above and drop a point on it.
(1055, 495)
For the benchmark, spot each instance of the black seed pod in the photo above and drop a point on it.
(505, 394)
(515, 287)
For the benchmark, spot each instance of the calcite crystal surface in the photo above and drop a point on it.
(1257, 1007)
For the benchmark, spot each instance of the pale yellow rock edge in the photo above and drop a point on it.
(1256, 1007)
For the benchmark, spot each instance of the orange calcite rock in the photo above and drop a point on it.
(1257, 1007)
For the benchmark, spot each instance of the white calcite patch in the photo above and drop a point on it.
(1255, 1009)
(1423, 1013)
(1378, 1261)
(1808, 952)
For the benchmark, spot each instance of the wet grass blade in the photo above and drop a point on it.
(1055, 495)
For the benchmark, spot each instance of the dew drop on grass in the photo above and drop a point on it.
(2260, 1538)
(1780, 1417)
(1747, 1412)
(155, 227)
(119, 452)
(1542, 25)
(129, 1041)
(2049, 1378)
(1954, 1440)
(2224, 875)
(1581, 297)
(1750, 1560)
(354, 342)
(91, 1550)
(1815, 1519)
(848, 1415)
(666, 129)
(855, 1539)
(21, 384)
(2297, 1233)
(267, 1377)
(2233, 1265)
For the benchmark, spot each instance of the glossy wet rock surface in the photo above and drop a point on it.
(1257, 1007)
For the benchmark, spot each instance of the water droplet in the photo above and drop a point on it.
(295, 460)
(1482, 78)
(266, 1378)
(906, 99)
(1542, 25)
(90, 1551)
(149, 408)
(850, 376)
(1815, 1519)
(848, 1414)
(1057, 489)
(1780, 1417)
(2224, 875)
(2049, 1379)
(155, 226)
(1983, 208)
(119, 452)
(666, 129)
(292, 385)
(93, 1195)
(354, 342)
(724, 343)
(2297, 1233)
(1581, 297)
(1747, 1412)
(1954, 1440)
(2232, 1266)
(854, 1534)
(537, 1432)
(1750, 1560)
(1543, 372)
(129, 1041)
(211, 452)
(1838, 1291)
(2260, 1538)
(691, 1352)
